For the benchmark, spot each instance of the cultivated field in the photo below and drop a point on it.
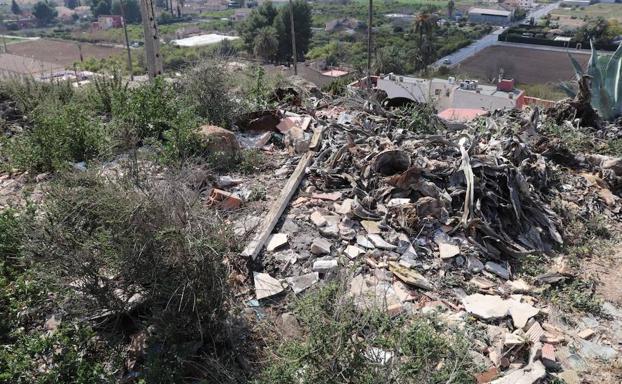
(525, 65)
(607, 11)
(63, 53)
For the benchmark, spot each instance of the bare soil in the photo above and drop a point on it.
(525, 65)
(60, 52)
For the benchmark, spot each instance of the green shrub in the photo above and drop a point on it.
(338, 338)
(28, 93)
(60, 134)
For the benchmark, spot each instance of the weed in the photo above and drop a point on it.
(247, 161)
(419, 118)
(346, 344)
(258, 193)
(576, 294)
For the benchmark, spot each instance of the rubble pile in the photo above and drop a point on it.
(409, 213)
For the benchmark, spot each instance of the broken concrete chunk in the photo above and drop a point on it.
(302, 282)
(371, 227)
(497, 269)
(486, 307)
(266, 285)
(333, 196)
(586, 333)
(398, 202)
(474, 264)
(379, 242)
(521, 313)
(276, 241)
(320, 246)
(446, 248)
(513, 339)
(548, 356)
(318, 219)
(344, 208)
(535, 332)
(519, 286)
(353, 251)
(364, 242)
(409, 276)
(325, 265)
(529, 375)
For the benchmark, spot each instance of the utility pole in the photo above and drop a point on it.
(291, 22)
(369, 26)
(4, 43)
(127, 42)
(152, 39)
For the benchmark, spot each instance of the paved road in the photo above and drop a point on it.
(490, 39)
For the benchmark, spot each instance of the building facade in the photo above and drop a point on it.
(490, 16)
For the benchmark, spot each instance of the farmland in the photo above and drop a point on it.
(606, 11)
(525, 65)
(64, 53)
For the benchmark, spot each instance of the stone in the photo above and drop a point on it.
(486, 307)
(364, 242)
(474, 264)
(593, 350)
(371, 227)
(428, 206)
(402, 292)
(289, 326)
(521, 313)
(395, 309)
(519, 286)
(586, 333)
(513, 339)
(334, 196)
(302, 282)
(446, 248)
(344, 208)
(318, 219)
(409, 276)
(325, 265)
(379, 242)
(535, 332)
(276, 241)
(529, 375)
(217, 140)
(398, 202)
(266, 285)
(497, 269)
(482, 282)
(570, 377)
(320, 247)
(352, 251)
(224, 200)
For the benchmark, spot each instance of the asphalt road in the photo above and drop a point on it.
(490, 39)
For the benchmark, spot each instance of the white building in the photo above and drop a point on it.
(451, 93)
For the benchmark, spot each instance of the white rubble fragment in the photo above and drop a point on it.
(364, 242)
(318, 219)
(521, 313)
(528, 375)
(276, 241)
(325, 265)
(352, 251)
(487, 307)
(379, 242)
(372, 227)
(320, 246)
(302, 282)
(266, 285)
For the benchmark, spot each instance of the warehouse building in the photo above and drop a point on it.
(490, 16)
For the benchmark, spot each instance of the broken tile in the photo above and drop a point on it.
(586, 333)
(344, 208)
(224, 200)
(521, 313)
(379, 242)
(535, 332)
(548, 356)
(364, 242)
(486, 307)
(276, 241)
(302, 282)
(266, 285)
(320, 246)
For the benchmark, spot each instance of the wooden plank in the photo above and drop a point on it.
(278, 207)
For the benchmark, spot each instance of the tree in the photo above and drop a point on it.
(131, 8)
(266, 44)
(72, 4)
(451, 6)
(302, 22)
(15, 8)
(424, 27)
(389, 59)
(259, 18)
(162, 4)
(44, 13)
(101, 7)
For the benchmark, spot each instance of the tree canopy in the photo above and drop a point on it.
(101, 7)
(44, 12)
(132, 10)
(15, 8)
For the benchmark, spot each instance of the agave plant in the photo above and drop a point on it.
(606, 80)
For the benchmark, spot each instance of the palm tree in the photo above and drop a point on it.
(424, 26)
(266, 44)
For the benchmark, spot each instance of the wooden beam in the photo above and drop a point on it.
(278, 206)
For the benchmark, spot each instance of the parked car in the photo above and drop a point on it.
(446, 61)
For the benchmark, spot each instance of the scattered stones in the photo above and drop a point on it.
(320, 247)
(325, 265)
(474, 264)
(528, 375)
(266, 285)
(371, 227)
(353, 251)
(318, 219)
(379, 242)
(344, 208)
(289, 326)
(276, 241)
(334, 196)
(364, 242)
(302, 282)
(492, 307)
(409, 276)
(497, 269)
(586, 333)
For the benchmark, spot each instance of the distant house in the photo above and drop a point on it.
(490, 16)
(525, 4)
(453, 94)
(110, 21)
(346, 23)
(240, 14)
